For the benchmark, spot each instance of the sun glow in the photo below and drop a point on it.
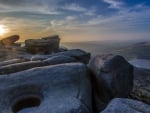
(3, 30)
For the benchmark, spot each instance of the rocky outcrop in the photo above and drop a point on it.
(120, 105)
(112, 76)
(141, 89)
(47, 77)
(12, 61)
(13, 68)
(46, 45)
(44, 60)
(78, 54)
(64, 88)
(9, 41)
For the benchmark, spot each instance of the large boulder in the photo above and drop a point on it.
(120, 105)
(64, 88)
(9, 41)
(141, 89)
(45, 45)
(112, 77)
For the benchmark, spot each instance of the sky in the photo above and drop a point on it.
(76, 20)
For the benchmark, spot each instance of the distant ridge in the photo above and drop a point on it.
(139, 50)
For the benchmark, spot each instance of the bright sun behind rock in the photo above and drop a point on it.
(3, 30)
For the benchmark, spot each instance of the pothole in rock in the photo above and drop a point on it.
(26, 105)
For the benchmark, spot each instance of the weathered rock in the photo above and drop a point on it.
(59, 60)
(13, 68)
(45, 45)
(120, 105)
(79, 55)
(141, 89)
(9, 41)
(112, 76)
(64, 88)
(11, 52)
(62, 49)
(12, 61)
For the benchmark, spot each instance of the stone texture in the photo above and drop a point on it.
(45, 45)
(11, 52)
(12, 61)
(112, 77)
(120, 105)
(64, 88)
(141, 89)
(9, 41)
(78, 54)
(16, 67)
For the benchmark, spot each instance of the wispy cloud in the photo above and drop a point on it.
(116, 4)
(34, 6)
(74, 7)
(83, 19)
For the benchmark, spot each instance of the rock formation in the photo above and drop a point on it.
(53, 79)
(45, 45)
(120, 105)
(9, 41)
(112, 76)
(141, 89)
(63, 88)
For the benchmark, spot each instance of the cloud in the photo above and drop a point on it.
(90, 12)
(114, 3)
(74, 7)
(34, 6)
(129, 20)
(74, 19)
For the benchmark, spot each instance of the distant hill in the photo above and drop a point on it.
(130, 50)
(139, 50)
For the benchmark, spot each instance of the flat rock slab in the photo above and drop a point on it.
(120, 105)
(64, 88)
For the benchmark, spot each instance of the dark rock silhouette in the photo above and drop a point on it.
(9, 41)
(45, 45)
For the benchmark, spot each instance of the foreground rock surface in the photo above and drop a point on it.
(120, 105)
(46, 45)
(112, 77)
(141, 89)
(62, 88)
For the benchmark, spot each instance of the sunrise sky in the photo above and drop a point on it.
(76, 20)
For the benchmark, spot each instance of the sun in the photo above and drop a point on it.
(3, 30)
